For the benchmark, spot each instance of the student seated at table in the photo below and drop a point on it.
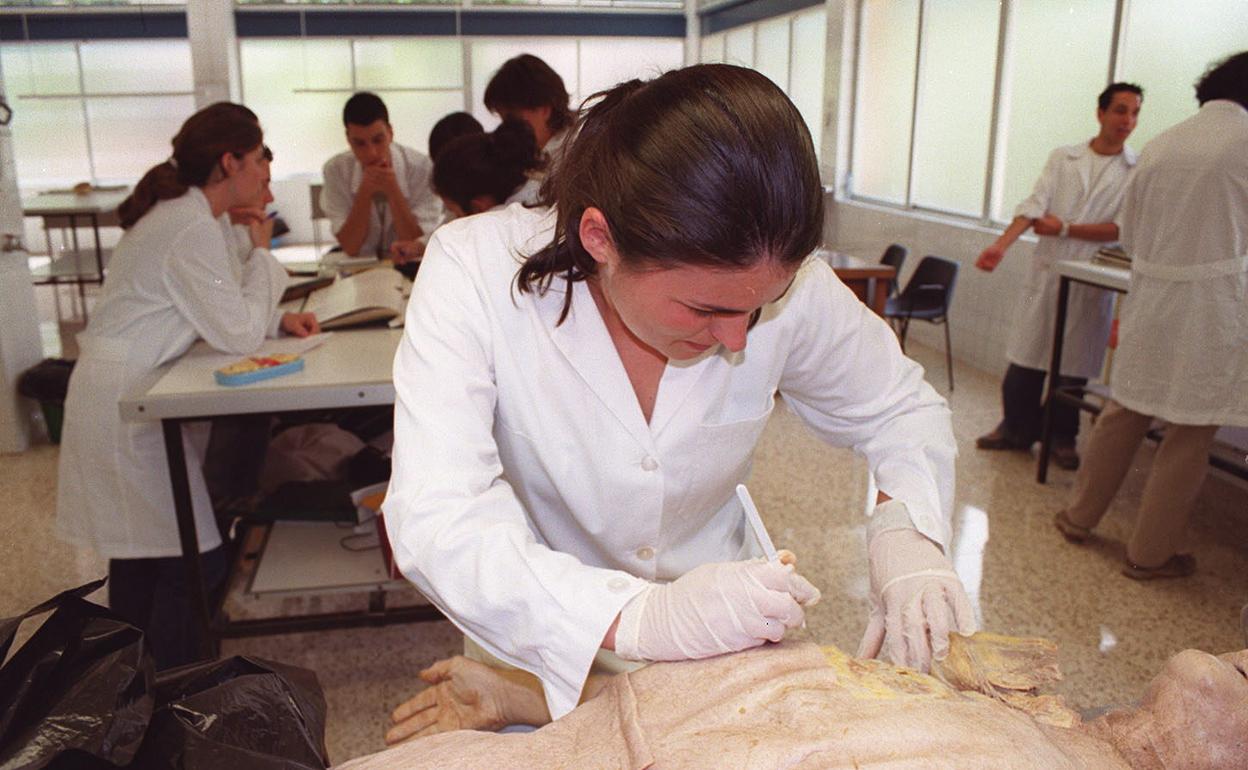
(481, 172)
(174, 279)
(526, 88)
(451, 127)
(378, 191)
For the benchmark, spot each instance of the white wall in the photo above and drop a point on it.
(983, 311)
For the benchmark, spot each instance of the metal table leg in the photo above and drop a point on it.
(183, 508)
(1055, 367)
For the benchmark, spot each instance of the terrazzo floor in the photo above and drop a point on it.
(1113, 633)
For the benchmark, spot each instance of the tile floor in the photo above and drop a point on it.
(1113, 633)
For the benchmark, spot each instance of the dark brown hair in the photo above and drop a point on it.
(197, 149)
(710, 165)
(527, 82)
(1226, 79)
(1106, 97)
(364, 109)
(451, 127)
(494, 164)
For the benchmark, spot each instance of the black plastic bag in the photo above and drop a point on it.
(237, 713)
(79, 688)
(81, 693)
(47, 380)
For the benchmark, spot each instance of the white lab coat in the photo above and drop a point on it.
(414, 172)
(530, 499)
(1183, 336)
(173, 278)
(1065, 189)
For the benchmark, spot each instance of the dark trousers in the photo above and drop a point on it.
(1022, 395)
(154, 596)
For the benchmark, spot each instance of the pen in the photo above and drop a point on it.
(756, 523)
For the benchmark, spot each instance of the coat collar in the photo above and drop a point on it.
(584, 341)
(1076, 151)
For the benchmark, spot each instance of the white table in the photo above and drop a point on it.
(1101, 276)
(351, 369)
(64, 210)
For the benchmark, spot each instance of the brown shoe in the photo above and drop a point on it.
(998, 440)
(1065, 457)
(1070, 530)
(1177, 566)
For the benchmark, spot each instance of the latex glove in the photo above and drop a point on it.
(714, 609)
(917, 599)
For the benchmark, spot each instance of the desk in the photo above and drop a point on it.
(1114, 279)
(64, 210)
(1102, 277)
(869, 280)
(352, 368)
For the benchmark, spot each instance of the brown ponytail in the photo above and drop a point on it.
(710, 165)
(494, 164)
(197, 149)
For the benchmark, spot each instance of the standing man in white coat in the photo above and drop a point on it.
(1072, 209)
(379, 191)
(174, 278)
(1183, 342)
(576, 402)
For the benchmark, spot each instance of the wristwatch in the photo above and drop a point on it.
(1065, 231)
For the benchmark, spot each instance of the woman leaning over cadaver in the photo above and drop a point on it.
(581, 388)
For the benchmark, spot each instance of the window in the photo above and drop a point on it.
(883, 115)
(933, 65)
(298, 88)
(1058, 64)
(99, 110)
(1167, 46)
(787, 49)
(957, 65)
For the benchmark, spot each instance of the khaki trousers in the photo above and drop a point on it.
(1178, 471)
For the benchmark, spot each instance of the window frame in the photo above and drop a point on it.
(994, 169)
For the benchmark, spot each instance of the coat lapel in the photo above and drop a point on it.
(584, 341)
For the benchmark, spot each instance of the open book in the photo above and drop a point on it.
(367, 297)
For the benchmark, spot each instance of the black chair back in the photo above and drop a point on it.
(929, 289)
(894, 256)
(927, 297)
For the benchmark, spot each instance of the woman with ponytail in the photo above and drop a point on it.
(175, 277)
(576, 401)
(479, 172)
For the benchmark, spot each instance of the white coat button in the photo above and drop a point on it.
(645, 553)
(617, 584)
(649, 463)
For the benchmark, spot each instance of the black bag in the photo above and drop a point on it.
(81, 693)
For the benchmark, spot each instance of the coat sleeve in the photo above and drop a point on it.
(1036, 204)
(425, 204)
(232, 315)
(458, 531)
(847, 379)
(336, 197)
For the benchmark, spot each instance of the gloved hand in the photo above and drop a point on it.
(714, 609)
(917, 599)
